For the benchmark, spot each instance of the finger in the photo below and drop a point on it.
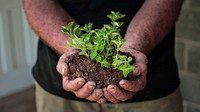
(73, 85)
(95, 95)
(67, 57)
(119, 94)
(139, 56)
(85, 91)
(101, 100)
(109, 96)
(135, 85)
(62, 68)
(139, 68)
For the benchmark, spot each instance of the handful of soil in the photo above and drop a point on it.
(90, 70)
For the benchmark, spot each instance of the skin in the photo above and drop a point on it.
(146, 30)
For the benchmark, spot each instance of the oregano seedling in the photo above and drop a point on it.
(102, 45)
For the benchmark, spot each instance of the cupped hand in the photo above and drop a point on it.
(78, 86)
(113, 94)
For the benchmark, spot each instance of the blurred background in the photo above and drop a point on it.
(18, 53)
(17, 56)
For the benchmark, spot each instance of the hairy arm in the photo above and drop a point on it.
(151, 24)
(46, 18)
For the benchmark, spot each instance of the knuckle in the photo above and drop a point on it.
(80, 94)
(143, 86)
(136, 71)
(127, 97)
(98, 93)
(68, 87)
(114, 100)
(90, 98)
(144, 67)
(62, 57)
(65, 87)
(124, 99)
(101, 100)
(58, 68)
(107, 97)
(118, 94)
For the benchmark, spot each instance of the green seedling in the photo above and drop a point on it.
(102, 45)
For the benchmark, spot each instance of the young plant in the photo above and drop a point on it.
(103, 44)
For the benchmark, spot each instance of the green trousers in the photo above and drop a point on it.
(46, 102)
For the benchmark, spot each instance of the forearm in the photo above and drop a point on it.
(46, 18)
(151, 24)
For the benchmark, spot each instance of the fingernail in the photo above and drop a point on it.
(101, 101)
(112, 89)
(80, 83)
(98, 94)
(91, 86)
(63, 71)
(122, 84)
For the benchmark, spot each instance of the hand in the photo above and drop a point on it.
(113, 94)
(78, 86)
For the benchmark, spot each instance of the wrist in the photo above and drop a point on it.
(139, 41)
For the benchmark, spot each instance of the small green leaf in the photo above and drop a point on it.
(98, 39)
(93, 54)
(89, 46)
(98, 58)
(115, 15)
(125, 73)
(71, 36)
(67, 29)
(82, 53)
(107, 26)
(122, 57)
(130, 59)
(101, 47)
(70, 24)
(70, 43)
(77, 30)
(115, 42)
(115, 34)
(115, 23)
(85, 37)
(116, 62)
(90, 26)
(106, 63)
(128, 70)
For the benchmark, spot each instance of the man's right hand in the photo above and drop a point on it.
(78, 86)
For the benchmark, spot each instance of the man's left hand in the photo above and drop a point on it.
(113, 94)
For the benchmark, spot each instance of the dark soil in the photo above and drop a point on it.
(90, 70)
